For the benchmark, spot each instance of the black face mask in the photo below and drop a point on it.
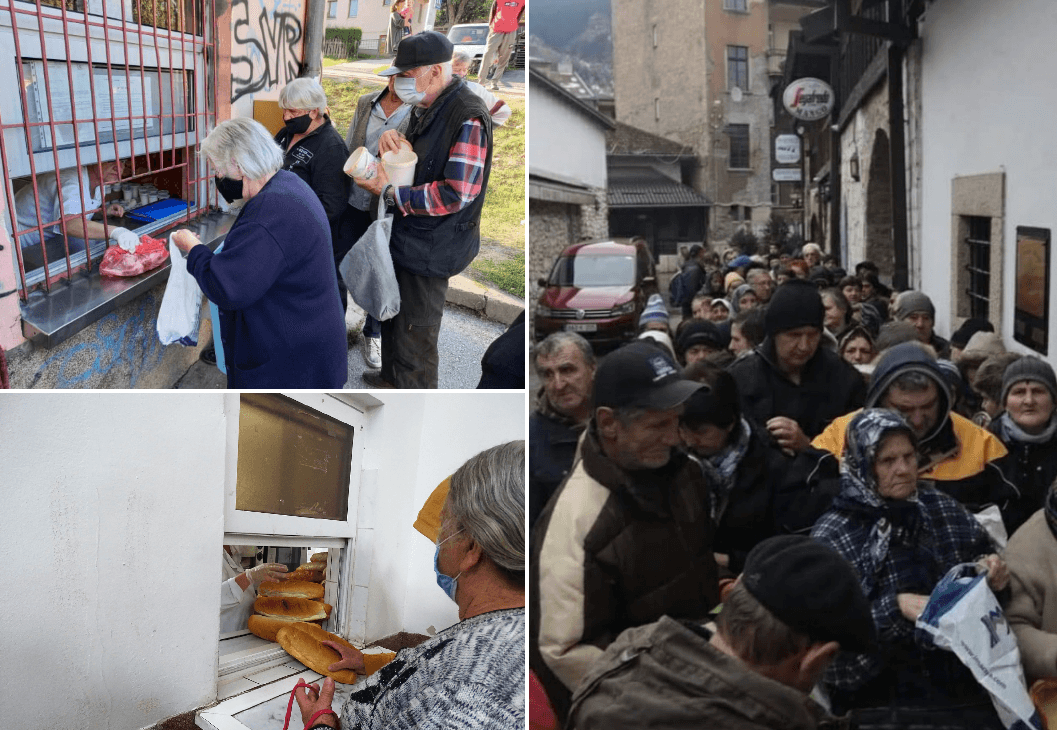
(230, 188)
(298, 125)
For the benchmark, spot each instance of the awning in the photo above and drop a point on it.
(559, 192)
(653, 193)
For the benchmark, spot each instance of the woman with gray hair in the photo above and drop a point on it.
(470, 675)
(315, 152)
(274, 282)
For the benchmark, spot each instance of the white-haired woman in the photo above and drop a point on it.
(470, 675)
(274, 283)
(315, 152)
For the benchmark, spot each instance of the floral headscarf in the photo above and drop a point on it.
(865, 434)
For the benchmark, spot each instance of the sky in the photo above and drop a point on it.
(559, 21)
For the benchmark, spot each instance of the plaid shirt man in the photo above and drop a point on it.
(464, 175)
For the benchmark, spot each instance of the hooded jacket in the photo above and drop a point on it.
(957, 454)
(615, 549)
(668, 675)
(829, 387)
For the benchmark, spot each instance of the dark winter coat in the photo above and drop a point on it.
(319, 159)
(274, 283)
(829, 387)
(552, 449)
(1032, 468)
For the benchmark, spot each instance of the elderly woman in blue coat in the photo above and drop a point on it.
(274, 283)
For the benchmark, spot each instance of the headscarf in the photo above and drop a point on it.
(735, 299)
(725, 303)
(721, 469)
(859, 492)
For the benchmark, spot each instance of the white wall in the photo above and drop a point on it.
(565, 143)
(109, 511)
(986, 101)
(448, 430)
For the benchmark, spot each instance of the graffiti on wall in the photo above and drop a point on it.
(265, 49)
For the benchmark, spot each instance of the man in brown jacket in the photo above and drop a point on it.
(797, 604)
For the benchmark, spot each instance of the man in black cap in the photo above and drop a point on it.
(436, 228)
(796, 605)
(788, 384)
(696, 340)
(628, 536)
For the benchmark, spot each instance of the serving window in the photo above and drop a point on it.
(292, 491)
(92, 83)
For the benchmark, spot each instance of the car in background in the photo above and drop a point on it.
(597, 289)
(471, 38)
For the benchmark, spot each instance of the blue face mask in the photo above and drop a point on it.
(406, 89)
(446, 582)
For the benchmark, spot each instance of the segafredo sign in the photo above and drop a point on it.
(808, 99)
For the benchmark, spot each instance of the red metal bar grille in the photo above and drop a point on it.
(147, 68)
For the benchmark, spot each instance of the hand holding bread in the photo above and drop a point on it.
(266, 572)
(351, 658)
(312, 699)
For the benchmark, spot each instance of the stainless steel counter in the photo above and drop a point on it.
(48, 319)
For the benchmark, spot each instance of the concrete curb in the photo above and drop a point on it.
(492, 304)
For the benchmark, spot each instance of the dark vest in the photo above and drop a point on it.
(442, 246)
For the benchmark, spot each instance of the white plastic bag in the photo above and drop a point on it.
(964, 616)
(990, 518)
(181, 304)
(368, 270)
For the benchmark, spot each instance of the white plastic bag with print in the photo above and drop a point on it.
(963, 616)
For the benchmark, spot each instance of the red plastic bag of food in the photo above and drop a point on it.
(150, 254)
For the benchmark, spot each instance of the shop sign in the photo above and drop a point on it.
(787, 149)
(786, 174)
(808, 99)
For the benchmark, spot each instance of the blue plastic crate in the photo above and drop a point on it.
(156, 211)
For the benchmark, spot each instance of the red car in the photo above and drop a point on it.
(597, 289)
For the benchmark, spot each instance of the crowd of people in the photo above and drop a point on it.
(806, 455)
(276, 282)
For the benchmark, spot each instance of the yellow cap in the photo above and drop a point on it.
(428, 521)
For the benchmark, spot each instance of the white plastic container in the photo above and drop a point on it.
(400, 166)
(362, 164)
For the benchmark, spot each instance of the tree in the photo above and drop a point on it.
(745, 241)
(776, 232)
(463, 11)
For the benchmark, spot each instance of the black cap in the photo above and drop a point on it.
(421, 49)
(640, 375)
(812, 589)
(698, 332)
(796, 303)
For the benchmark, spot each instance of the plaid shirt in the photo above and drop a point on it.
(929, 537)
(464, 174)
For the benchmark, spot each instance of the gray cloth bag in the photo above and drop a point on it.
(367, 269)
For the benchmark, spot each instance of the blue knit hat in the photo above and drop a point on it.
(655, 311)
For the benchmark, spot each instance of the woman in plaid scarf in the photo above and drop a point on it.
(902, 536)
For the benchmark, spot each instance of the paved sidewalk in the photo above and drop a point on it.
(512, 83)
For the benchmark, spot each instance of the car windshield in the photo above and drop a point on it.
(469, 35)
(581, 271)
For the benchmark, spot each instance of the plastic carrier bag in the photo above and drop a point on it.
(368, 270)
(181, 304)
(963, 616)
(150, 254)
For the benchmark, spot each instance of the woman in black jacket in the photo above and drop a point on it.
(1028, 429)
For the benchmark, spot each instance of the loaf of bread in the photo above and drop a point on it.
(313, 565)
(266, 628)
(289, 609)
(318, 558)
(304, 642)
(1044, 695)
(373, 662)
(312, 576)
(292, 589)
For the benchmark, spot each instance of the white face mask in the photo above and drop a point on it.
(406, 88)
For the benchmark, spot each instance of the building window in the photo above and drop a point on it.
(332, 9)
(354, 8)
(739, 146)
(739, 6)
(979, 266)
(738, 67)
